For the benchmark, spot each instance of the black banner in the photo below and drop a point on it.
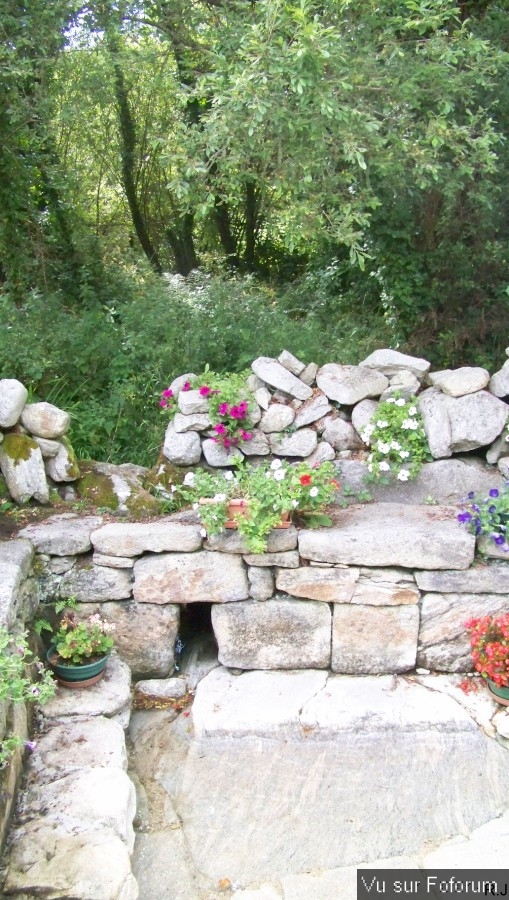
(432, 884)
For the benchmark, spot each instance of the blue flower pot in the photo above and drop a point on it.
(74, 675)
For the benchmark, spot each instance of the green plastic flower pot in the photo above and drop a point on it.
(500, 694)
(76, 675)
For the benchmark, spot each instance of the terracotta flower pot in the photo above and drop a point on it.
(238, 508)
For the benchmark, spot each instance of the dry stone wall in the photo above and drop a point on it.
(388, 588)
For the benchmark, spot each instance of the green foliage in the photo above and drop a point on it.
(17, 685)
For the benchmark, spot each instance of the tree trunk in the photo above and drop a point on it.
(128, 153)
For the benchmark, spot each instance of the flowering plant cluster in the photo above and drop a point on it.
(269, 491)
(489, 640)
(489, 515)
(229, 401)
(397, 440)
(78, 641)
(17, 686)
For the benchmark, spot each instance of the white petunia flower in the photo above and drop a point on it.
(404, 454)
(382, 447)
(395, 445)
(295, 503)
(400, 401)
(195, 506)
(313, 492)
(219, 498)
(382, 423)
(391, 400)
(276, 464)
(384, 467)
(403, 475)
(279, 474)
(173, 488)
(370, 467)
(203, 533)
(228, 476)
(412, 411)
(189, 479)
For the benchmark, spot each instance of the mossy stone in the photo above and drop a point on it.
(18, 447)
(98, 489)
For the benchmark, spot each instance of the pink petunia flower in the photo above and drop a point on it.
(186, 386)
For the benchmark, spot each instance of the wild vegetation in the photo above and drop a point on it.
(191, 183)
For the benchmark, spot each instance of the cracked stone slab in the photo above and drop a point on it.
(297, 751)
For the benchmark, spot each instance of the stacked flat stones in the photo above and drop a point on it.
(33, 448)
(317, 413)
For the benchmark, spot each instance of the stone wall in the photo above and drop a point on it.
(388, 588)
(18, 600)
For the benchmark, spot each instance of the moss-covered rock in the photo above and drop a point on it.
(118, 488)
(18, 447)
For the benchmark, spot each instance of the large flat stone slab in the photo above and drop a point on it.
(62, 535)
(482, 579)
(134, 538)
(328, 584)
(312, 771)
(109, 697)
(282, 633)
(190, 578)
(392, 534)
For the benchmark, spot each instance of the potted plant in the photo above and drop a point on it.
(79, 648)
(487, 515)
(489, 640)
(265, 494)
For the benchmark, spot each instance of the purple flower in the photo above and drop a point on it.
(464, 517)
(30, 745)
(498, 538)
(492, 509)
(494, 492)
(471, 495)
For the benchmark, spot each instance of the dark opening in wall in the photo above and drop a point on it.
(196, 640)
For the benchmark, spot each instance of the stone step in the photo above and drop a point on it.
(288, 772)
